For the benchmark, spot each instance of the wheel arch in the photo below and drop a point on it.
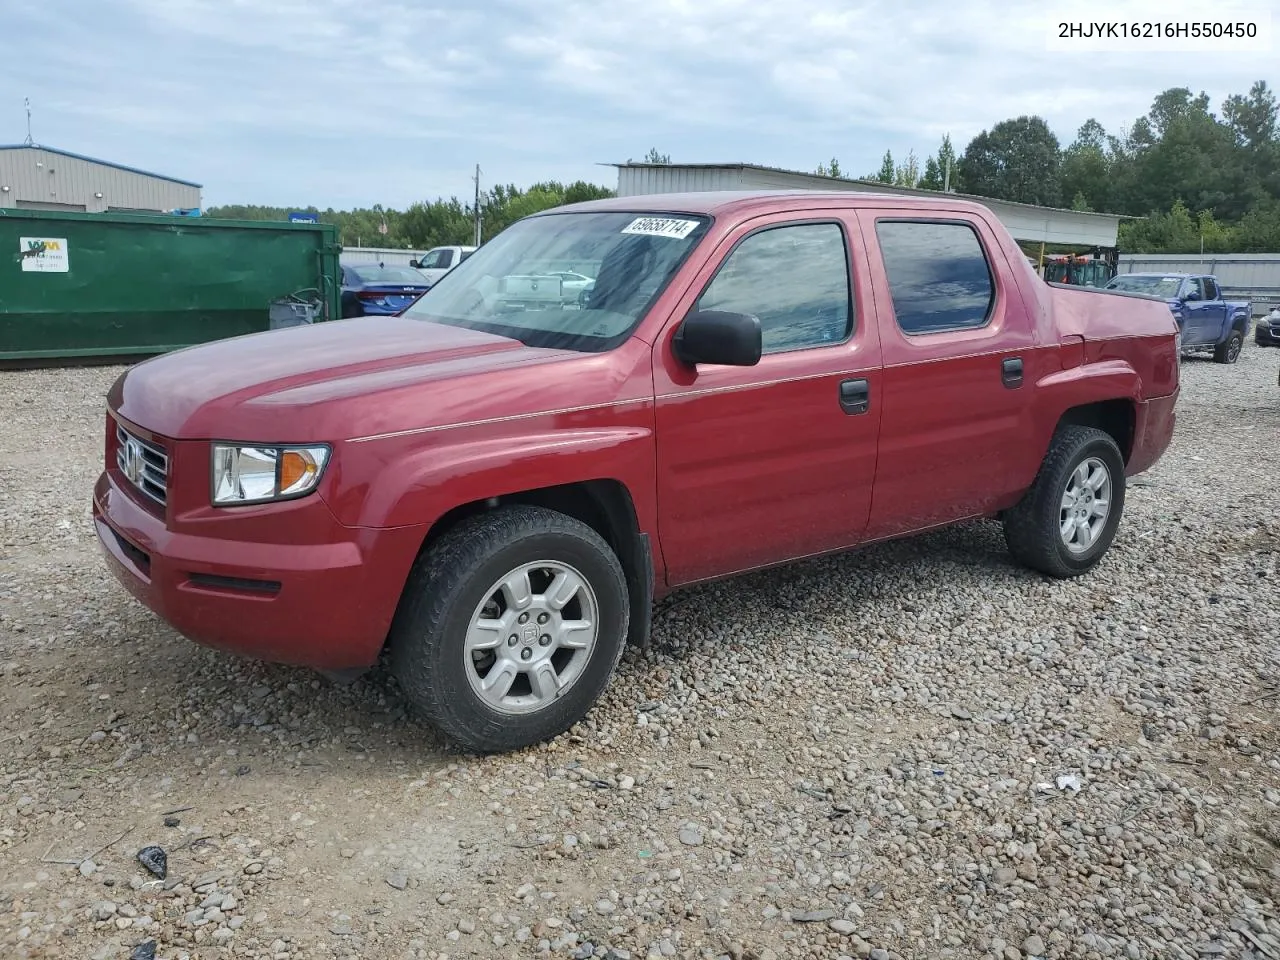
(1116, 417)
(604, 504)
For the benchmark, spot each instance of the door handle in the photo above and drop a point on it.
(855, 396)
(1011, 372)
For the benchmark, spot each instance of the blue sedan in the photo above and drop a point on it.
(375, 290)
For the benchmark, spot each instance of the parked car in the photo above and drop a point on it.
(438, 261)
(1266, 333)
(1206, 320)
(372, 289)
(497, 496)
(571, 284)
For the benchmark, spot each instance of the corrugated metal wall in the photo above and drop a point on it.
(44, 179)
(1242, 276)
(392, 258)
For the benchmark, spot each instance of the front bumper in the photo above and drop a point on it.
(1266, 336)
(327, 606)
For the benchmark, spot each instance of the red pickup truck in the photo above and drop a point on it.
(495, 485)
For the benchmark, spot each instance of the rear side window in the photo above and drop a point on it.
(939, 277)
(795, 279)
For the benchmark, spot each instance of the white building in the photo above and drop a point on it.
(33, 177)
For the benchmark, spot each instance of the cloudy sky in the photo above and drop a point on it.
(354, 102)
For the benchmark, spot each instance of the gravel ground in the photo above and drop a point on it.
(918, 750)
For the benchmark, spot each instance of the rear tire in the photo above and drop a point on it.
(1229, 351)
(480, 607)
(1046, 530)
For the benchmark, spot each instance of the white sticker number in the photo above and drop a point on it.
(661, 227)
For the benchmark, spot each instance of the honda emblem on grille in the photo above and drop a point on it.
(132, 461)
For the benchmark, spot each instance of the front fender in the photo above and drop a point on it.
(417, 479)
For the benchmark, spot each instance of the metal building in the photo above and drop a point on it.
(1242, 276)
(34, 177)
(1025, 221)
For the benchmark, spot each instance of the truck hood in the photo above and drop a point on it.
(329, 381)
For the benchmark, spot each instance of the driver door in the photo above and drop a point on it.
(763, 464)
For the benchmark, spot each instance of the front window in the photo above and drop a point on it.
(795, 279)
(1164, 287)
(513, 285)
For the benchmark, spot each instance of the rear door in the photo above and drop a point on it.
(758, 465)
(961, 359)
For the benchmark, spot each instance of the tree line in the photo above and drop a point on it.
(430, 223)
(1202, 180)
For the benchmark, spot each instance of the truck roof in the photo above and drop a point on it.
(720, 202)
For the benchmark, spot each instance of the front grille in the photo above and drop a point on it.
(144, 464)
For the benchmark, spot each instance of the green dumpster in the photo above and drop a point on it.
(104, 285)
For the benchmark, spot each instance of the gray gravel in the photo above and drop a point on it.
(918, 750)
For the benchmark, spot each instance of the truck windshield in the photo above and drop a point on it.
(1166, 287)
(515, 284)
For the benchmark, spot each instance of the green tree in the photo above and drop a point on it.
(947, 161)
(1252, 118)
(935, 168)
(1087, 168)
(907, 173)
(1017, 159)
(653, 156)
(1192, 173)
(431, 223)
(932, 177)
(1259, 230)
(831, 169)
(886, 171)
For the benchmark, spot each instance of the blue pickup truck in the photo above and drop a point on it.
(1206, 320)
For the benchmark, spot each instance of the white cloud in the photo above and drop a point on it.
(361, 101)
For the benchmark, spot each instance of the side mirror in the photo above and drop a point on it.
(714, 336)
(415, 264)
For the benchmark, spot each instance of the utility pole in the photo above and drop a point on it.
(26, 101)
(946, 179)
(476, 207)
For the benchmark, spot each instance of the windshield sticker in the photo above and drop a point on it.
(661, 227)
(1170, 279)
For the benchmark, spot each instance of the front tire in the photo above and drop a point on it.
(510, 628)
(1229, 352)
(1067, 520)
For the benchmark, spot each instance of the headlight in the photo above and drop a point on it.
(263, 474)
